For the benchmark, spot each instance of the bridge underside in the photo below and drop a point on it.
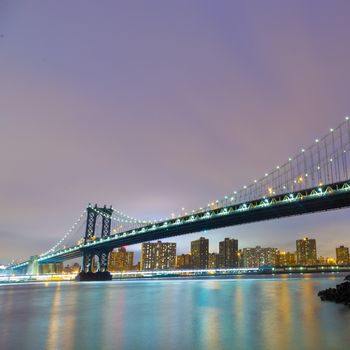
(305, 204)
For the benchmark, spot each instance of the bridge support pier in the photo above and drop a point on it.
(87, 273)
(102, 274)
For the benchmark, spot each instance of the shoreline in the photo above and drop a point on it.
(11, 280)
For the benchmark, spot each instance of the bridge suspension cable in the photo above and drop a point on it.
(66, 235)
(322, 163)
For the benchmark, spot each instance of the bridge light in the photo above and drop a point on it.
(346, 118)
(331, 129)
(317, 140)
(266, 174)
(290, 159)
(303, 150)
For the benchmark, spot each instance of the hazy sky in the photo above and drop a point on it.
(156, 105)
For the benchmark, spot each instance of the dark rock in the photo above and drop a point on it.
(339, 294)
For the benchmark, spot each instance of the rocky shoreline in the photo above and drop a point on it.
(340, 294)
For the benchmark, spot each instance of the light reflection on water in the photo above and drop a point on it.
(246, 313)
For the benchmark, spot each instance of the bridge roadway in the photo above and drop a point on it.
(311, 200)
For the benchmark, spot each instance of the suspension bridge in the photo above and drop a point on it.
(315, 179)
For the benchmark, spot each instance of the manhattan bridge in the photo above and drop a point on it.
(315, 179)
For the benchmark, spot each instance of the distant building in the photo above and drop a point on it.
(306, 251)
(258, 256)
(214, 261)
(342, 255)
(200, 253)
(240, 258)
(286, 259)
(94, 264)
(120, 260)
(228, 251)
(184, 261)
(51, 268)
(75, 268)
(158, 256)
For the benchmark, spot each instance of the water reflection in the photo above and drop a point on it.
(52, 339)
(260, 313)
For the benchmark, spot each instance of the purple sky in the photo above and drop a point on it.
(156, 105)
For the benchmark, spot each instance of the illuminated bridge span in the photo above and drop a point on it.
(316, 179)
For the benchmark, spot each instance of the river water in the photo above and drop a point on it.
(242, 313)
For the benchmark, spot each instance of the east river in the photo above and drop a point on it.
(242, 313)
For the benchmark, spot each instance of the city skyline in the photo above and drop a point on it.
(300, 253)
(175, 116)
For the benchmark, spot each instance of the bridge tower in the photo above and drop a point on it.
(93, 213)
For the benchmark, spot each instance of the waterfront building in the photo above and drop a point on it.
(228, 251)
(200, 253)
(306, 251)
(240, 258)
(51, 268)
(331, 261)
(184, 261)
(258, 257)
(214, 261)
(158, 256)
(286, 259)
(342, 254)
(120, 260)
(321, 260)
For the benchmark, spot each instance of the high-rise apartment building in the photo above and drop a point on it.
(258, 256)
(184, 261)
(342, 255)
(214, 261)
(286, 259)
(228, 251)
(306, 251)
(200, 253)
(120, 260)
(158, 256)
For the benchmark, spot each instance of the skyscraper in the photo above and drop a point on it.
(200, 253)
(306, 251)
(342, 255)
(228, 251)
(158, 256)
